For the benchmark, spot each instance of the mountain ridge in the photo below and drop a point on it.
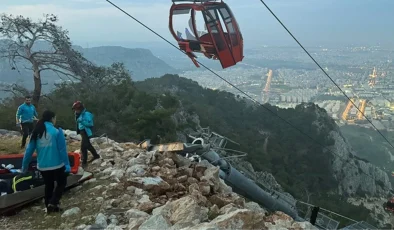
(139, 61)
(163, 110)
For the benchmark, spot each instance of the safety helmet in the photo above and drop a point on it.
(77, 105)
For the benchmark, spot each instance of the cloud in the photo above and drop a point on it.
(98, 22)
(93, 22)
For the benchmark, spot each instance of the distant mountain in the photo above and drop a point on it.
(141, 63)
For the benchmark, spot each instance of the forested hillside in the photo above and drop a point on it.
(133, 111)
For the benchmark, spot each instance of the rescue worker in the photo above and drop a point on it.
(52, 158)
(84, 120)
(25, 116)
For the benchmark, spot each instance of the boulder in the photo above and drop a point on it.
(135, 213)
(117, 173)
(227, 209)
(187, 210)
(101, 220)
(253, 206)
(204, 188)
(137, 169)
(178, 160)
(239, 219)
(147, 206)
(221, 200)
(135, 223)
(71, 212)
(113, 227)
(211, 177)
(155, 185)
(156, 222)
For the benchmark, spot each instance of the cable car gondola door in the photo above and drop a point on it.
(234, 36)
(215, 30)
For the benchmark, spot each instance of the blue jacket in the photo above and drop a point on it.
(51, 150)
(85, 122)
(26, 113)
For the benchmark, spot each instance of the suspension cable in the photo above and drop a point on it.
(248, 96)
(325, 72)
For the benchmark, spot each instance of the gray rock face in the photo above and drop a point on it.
(4, 132)
(101, 220)
(143, 190)
(156, 222)
(71, 212)
(356, 176)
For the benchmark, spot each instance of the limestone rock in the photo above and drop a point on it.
(71, 212)
(187, 209)
(192, 180)
(182, 179)
(253, 206)
(179, 161)
(238, 219)
(155, 185)
(352, 178)
(211, 177)
(156, 168)
(147, 206)
(113, 227)
(135, 213)
(135, 223)
(221, 200)
(204, 188)
(137, 169)
(227, 209)
(156, 222)
(118, 173)
(101, 220)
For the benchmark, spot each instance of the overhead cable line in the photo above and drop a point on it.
(248, 96)
(325, 72)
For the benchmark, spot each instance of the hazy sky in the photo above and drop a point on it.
(314, 22)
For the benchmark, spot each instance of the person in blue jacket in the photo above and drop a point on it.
(52, 158)
(25, 116)
(84, 120)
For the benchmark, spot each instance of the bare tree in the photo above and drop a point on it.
(21, 40)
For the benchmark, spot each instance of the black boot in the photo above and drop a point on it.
(53, 208)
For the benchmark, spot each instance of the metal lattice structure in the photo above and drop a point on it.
(323, 221)
(359, 225)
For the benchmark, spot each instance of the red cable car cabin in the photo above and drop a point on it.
(224, 45)
(389, 206)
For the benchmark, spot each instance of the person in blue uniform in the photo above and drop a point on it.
(25, 116)
(84, 120)
(52, 158)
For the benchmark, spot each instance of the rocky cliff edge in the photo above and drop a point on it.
(136, 189)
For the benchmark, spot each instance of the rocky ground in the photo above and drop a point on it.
(375, 205)
(136, 189)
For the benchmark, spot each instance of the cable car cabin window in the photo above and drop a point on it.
(201, 27)
(184, 29)
(182, 11)
(229, 24)
(211, 18)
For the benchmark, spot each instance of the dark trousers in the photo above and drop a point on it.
(27, 129)
(85, 146)
(52, 194)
